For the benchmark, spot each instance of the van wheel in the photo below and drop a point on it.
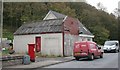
(101, 56)
(91, 56)
(116, 51)
(77, 58)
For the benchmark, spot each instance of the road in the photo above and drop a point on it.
(110, 60)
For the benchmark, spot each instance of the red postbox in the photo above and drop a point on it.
(31, 52)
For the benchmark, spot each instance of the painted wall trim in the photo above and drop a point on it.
(38, 33)
(83, 35)
(63, 37)
(65, 18)
(47, 15)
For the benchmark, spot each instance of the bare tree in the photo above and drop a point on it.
(116, 12)
(101, 7)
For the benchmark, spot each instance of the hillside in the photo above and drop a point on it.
(103, 25)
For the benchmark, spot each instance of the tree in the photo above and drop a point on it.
(101, 7)
(116, 12)
(102, 24)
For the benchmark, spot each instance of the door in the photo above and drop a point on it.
(83, 47)
(93, 49)
(98, 50)
(52, 46)
(38, 44)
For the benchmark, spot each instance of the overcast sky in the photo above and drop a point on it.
(109, 4)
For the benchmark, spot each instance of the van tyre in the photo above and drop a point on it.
(116, 51)
(91, 57)
(101, 56)
(77, 58)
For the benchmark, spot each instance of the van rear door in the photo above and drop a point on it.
(84, 47)
(81, 47)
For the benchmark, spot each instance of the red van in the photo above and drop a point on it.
(87, 49)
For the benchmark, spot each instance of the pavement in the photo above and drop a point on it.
(43, 62)
(10, 60)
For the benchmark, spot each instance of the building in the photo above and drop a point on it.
(84, 33)
(54, 35)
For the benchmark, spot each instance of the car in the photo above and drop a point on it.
(111, 46)
(87, 49)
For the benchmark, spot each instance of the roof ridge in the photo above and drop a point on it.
(57, 13)
(31, 22)
(84, 28)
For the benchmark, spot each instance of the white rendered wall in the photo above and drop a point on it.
(85, 38)
(51, 44)
(20, 44)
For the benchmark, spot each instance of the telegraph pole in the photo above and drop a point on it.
(1, 27)
(1, 30)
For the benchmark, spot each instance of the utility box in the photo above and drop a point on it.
(31, 52)
(26, 59)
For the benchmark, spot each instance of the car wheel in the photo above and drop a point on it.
(105, 51)
(101, 56)
(77, 58)
(116, 51)
(91, 56)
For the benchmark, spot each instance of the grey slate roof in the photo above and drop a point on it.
(54, 25)
(58, 15)
(84, 30)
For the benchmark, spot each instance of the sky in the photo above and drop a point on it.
(109, 4)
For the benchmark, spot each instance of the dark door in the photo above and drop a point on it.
(38, 44)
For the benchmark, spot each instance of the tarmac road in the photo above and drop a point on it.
(110, 60)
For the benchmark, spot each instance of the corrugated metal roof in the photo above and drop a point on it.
(84, 30)
(54, 25)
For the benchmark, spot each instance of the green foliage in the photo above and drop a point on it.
(8, 35)
(101, 34)
(103, 25)
(5, 52)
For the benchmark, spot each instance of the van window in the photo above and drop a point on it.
(89, 39)
(116, 44)
(92, 46)
(109, 43)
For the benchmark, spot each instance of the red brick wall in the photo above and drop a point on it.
(71, 26)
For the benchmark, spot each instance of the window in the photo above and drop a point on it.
(116, 44)
(89, 39)
(97, 46)
(66, 29)
(92, 46)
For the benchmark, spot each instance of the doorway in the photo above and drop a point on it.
(38, 44)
